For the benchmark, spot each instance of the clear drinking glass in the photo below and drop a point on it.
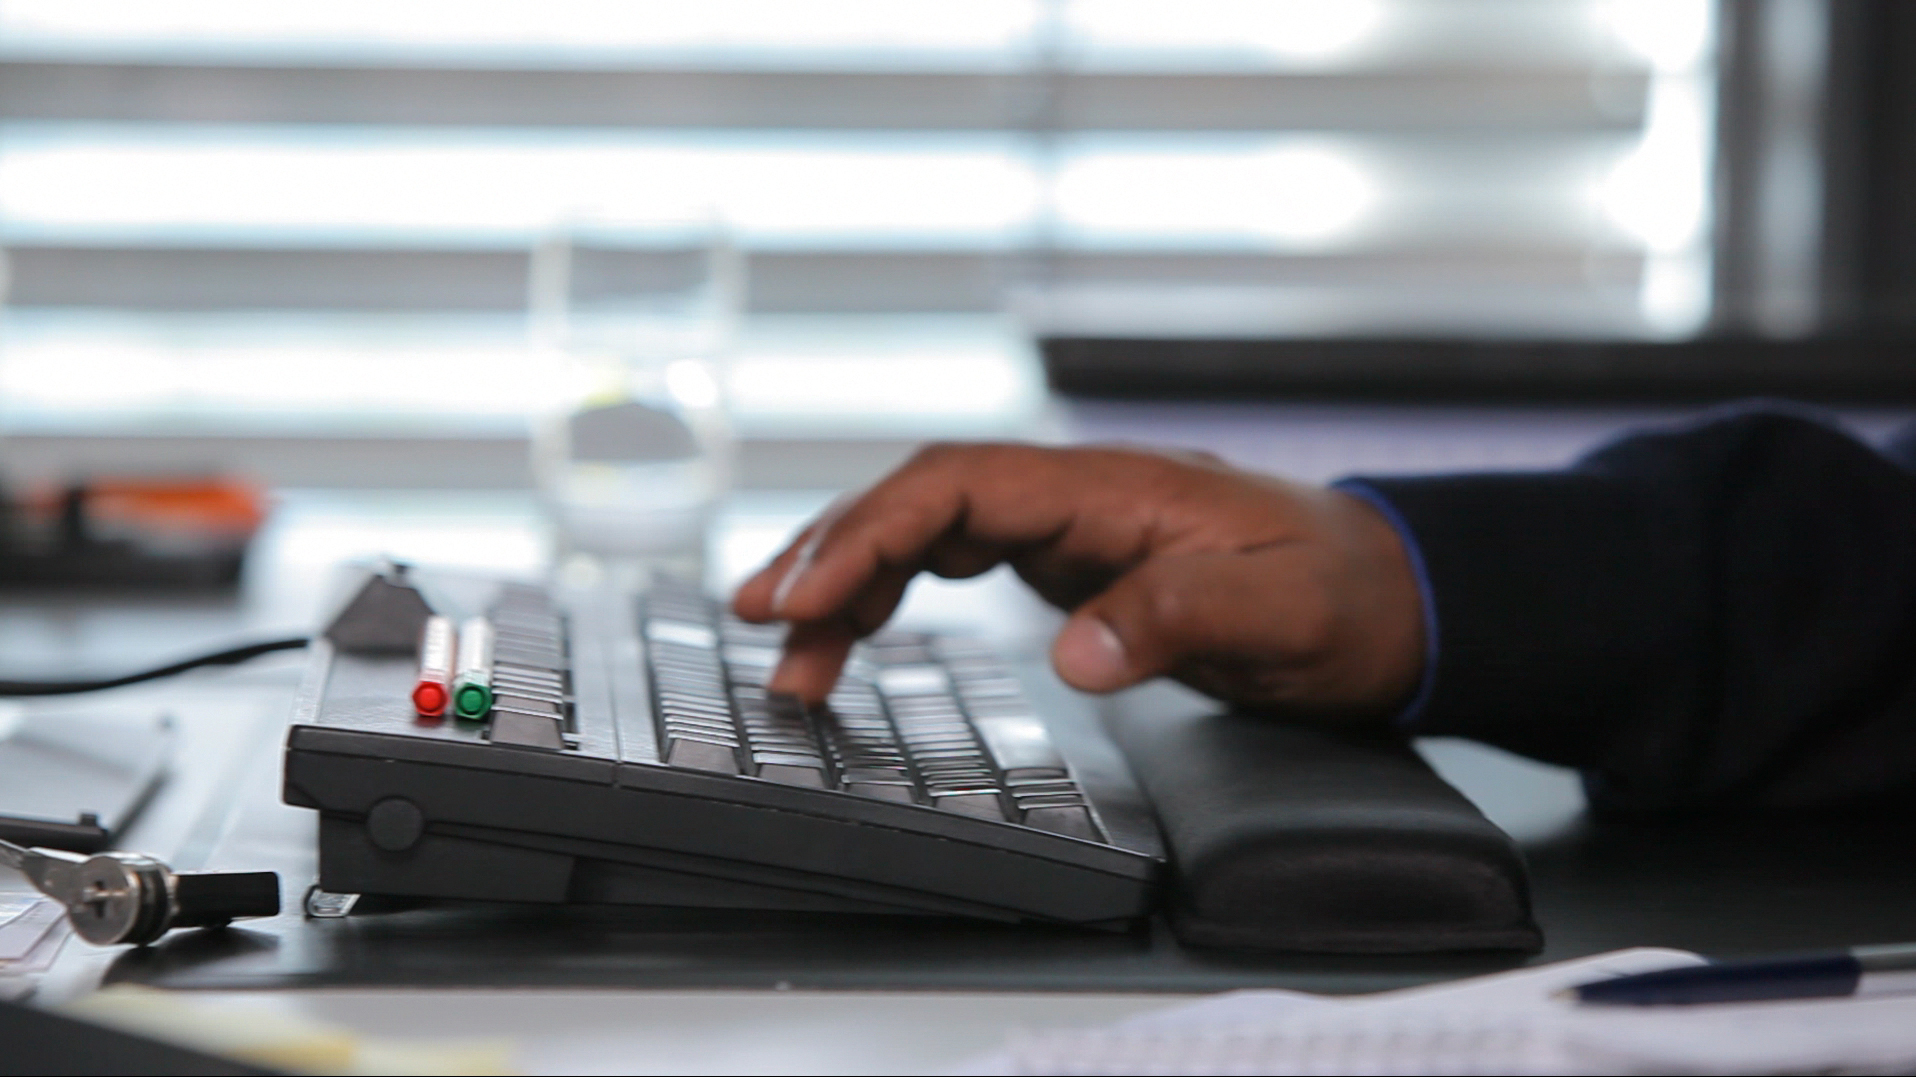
(632, 451)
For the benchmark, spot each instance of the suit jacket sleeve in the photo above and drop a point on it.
(1716, 617)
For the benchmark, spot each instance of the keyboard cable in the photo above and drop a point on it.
(228, 657)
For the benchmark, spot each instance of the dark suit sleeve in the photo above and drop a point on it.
(1716, 617)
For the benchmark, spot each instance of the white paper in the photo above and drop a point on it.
(1513, 1022)
(24, 921)
(32, 930)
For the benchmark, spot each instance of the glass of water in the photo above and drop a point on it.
(632, 319)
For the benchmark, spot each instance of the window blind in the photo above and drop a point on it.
(1205, 167)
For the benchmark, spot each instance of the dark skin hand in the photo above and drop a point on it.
(1264, 593)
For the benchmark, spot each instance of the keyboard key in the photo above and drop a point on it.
(762, 740)
(898, 791)
(683, 633)
(947, 752)
(748, 657)
(525, 730)
(678, 702)
(508, 688)
(914, 680)
(1024, 787)
(549, 680)
(989, 688)
(941, 737)
(998, 707)
(699, 666)
(527, 657)
(978, 803)
(790, 768)
(513, 701)
(520, 641)
(698, 716)
(1073, 821)
(698, 753)
(1021, 746)
(689, 719)
(954, 770)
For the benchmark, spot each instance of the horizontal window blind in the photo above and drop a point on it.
(1205, 167)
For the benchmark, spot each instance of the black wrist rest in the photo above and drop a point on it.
(1285, 838)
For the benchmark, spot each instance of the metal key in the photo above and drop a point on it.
(112, 898)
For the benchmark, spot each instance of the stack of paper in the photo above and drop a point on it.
(1509, 1023)
(31, 931)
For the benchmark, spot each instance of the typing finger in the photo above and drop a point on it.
(758, 597)
(815, 654)
(815, 651)
(991, 495)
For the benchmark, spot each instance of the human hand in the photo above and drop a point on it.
(1254, 590)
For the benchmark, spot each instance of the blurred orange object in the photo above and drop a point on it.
(136, 531)
(167, 512)
(151, 507)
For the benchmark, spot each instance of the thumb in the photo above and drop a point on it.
(1169, 609)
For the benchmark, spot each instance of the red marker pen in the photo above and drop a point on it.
(434, 690)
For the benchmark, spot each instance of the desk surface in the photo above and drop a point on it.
(791, 994)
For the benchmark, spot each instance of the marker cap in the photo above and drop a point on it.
(471, 701)
(429, 698)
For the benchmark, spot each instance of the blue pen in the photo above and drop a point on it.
(1860, 971)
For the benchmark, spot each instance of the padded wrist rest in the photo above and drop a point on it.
(1284, 838)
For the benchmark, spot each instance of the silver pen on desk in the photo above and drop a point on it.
(1860, 971)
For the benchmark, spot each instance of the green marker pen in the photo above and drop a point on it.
(472, 685)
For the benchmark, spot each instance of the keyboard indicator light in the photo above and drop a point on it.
(434, 688)
(472, 686)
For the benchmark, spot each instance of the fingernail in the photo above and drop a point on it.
(783, 592)
(790, 580)
(1089, 655)
(796, 572)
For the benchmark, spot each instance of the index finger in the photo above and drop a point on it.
(1005, 493)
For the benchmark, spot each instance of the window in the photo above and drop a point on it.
(240, 212)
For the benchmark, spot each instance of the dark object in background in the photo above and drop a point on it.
(73, 781)
(165, 534)
(39, 1042)
(1868, 171)
(1875, 371)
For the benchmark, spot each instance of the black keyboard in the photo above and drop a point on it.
(915, 719)
(633, 756)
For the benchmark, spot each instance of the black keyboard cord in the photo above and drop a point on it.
(217, 658)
